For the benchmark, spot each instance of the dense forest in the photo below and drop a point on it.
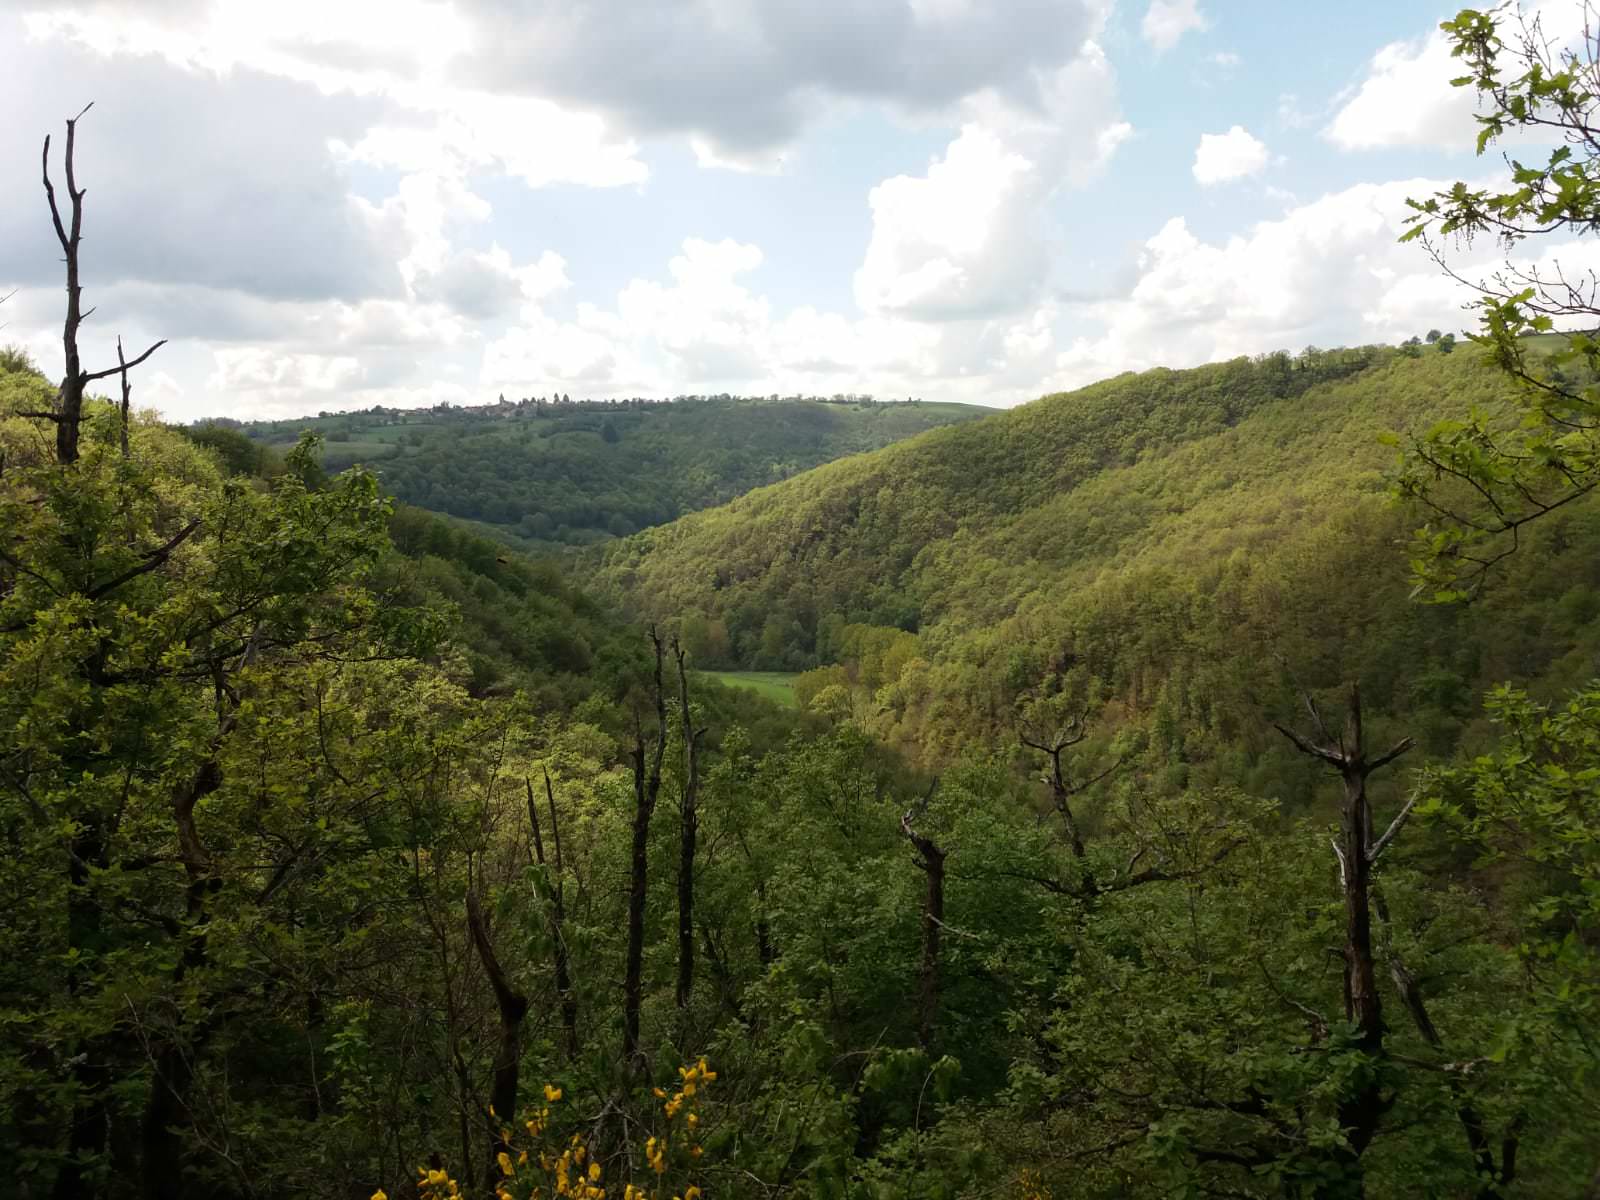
(1182, 548)
(1193, 788)
(541, 473)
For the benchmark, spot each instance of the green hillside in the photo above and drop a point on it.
(538, 473)
(1180, 543)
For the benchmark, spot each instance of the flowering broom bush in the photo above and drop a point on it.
(537, 1166)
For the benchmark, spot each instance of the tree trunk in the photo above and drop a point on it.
(932, 926)
(513, 1007)
(688, 836)
(1362, 1109)
(646, 787)
(932, 864)
(69, 411)
(558, 916)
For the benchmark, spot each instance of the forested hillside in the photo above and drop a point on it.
(539, 473)
(1183, 547)
(334, 835)
(1193, 788)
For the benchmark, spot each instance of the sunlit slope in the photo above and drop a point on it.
(1177, 542)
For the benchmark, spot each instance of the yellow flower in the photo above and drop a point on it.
(692, 1194)
(380, 1194)
(506, 1168)
(552, 1094)
(594, 1172)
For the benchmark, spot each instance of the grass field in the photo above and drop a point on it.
(777, 686)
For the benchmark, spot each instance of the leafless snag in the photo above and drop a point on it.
(931, 862)
(1063, 789)
(689, 827)
(68, 416)
(646, 788)
(1356, 852)
(558, 912)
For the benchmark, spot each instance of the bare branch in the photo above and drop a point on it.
(152, 560)
(1382, 844)
(1390, 755)
(91, 376)
(1332, 757)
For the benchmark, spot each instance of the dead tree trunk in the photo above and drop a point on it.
(513, 1006)
(931, 862)
(646, 787)
(127, 396)
(558, 915)
(68, 414)
(689, 828)
(1362, 1110)
(1062, 789)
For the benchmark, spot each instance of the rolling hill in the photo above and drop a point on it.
(1180, 549)
(537, 474)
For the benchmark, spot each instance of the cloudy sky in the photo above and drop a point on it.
(331, 204)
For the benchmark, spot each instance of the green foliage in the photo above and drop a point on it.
(539, 474)
(1527, 812)
(263, 734)
(1176, 546)
(1484, 477)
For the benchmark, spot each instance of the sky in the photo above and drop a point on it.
(332, 204)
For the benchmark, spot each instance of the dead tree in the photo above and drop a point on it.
(1357, 851)
(513, 1008)
(930, 860)
(68, 414)
(646, 787)
(1063, 790)
(558, 914)
(689, 832)
(127, 395)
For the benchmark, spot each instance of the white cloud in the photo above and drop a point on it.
(1222, 157)
(1290, 114)
(1328, 272)
(1166, 21)
(967, 239)
(255, 369)
(1406, 100)
(744, 77)
(705, 329)
(346, 179)
(954, 239)
(486, 285)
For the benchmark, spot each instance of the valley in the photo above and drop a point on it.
(1179, 785)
